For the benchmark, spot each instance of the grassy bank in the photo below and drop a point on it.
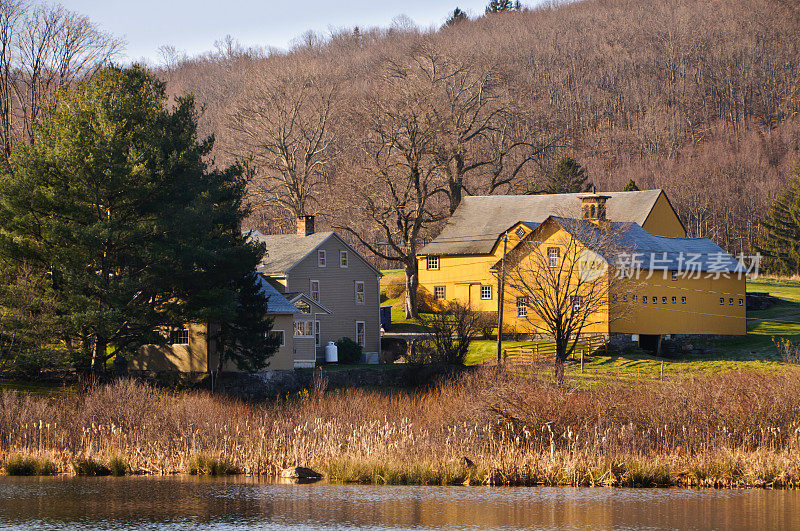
(731, 429)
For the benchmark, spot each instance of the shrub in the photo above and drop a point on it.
(117, 466)
(348, 350)
(452, 329)
(207, 465)
(395, 288)
(89, 467)
(29, 466)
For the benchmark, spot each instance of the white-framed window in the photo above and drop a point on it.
(722, 301)
(576, 303)
(303, 329)
(522, 306)
(344, 260)
(314, 290)
(278, 333)
(317, 333)
(179, 336)
(552, 256)
(438, 293)
(322, 258)
(361, 333)
(683, 300)
(486, 292)
(359, 292)
(432, 263)
(674, 275)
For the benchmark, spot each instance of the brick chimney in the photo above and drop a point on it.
(305, 225)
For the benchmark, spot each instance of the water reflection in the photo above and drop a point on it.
(184, 502)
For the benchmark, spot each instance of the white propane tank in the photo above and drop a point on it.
(331, 353)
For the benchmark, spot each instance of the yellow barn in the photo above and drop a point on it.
(680, 286)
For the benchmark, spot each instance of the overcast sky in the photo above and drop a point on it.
(194, 25)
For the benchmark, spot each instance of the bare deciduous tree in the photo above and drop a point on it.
(282, 128)
(563, 281)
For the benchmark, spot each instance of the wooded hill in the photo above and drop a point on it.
(698, 98)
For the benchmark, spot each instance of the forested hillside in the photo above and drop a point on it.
(384, 130)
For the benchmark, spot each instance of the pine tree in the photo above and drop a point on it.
(780, 235)
(566, 177)
(456, 17)
(503, 6)
(631, 186)
(115, 204)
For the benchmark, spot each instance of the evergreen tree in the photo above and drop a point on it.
(631, 186)
(780, 235)
(245, 339)
(456, 17)
(502, 6)
(115, 203)
(566, 177)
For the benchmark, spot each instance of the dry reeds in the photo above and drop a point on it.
(734, 429)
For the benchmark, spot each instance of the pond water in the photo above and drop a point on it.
(233, 503)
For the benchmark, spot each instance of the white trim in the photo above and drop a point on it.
(363, 293)
(364, 343)
(283, 336)
(346, 255)
(489, 289)
(311, 283)
(322, 258)
(317, 332)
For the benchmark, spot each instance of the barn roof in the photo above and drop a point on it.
(479, 221)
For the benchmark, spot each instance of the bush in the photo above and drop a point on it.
(395, 288)
(117, 466)
(452, 329)
(29, 466)
(89, 467)
(207, 465)
(349, 351)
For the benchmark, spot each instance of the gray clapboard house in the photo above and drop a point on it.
(343, 283)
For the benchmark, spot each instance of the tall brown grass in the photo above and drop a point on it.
(733, 429)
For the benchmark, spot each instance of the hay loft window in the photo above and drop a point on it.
(343, 259)
(520, 232)
(438, 293)
(359, 292)
(361, 333)
(303, 329)
(522, 306)
(322, 258)
(433, 263)
(279, 334)
(486, 293)
(315, 290)
(179, 336)
(552, 256)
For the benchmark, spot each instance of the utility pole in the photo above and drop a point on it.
(500, 292)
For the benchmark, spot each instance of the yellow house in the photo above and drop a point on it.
(679, 285)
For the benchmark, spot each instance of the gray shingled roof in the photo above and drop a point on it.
(480, 220)
(285, 250)
(276, 303)
(662, 252)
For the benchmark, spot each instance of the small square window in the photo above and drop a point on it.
(634, 297)
(655, 300)
(674, 275)
(433, 263)
(722, 300)
(486, 292)
(663, 300)
(520, 232)
(674, 300)
(179, 336)
(343, 259)
(644, 299)
(322, 258)
(683, 300)
(613, 298)
(522, 306)
(741, 302)
(438, 293)
(625, 298)
(730, 301)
